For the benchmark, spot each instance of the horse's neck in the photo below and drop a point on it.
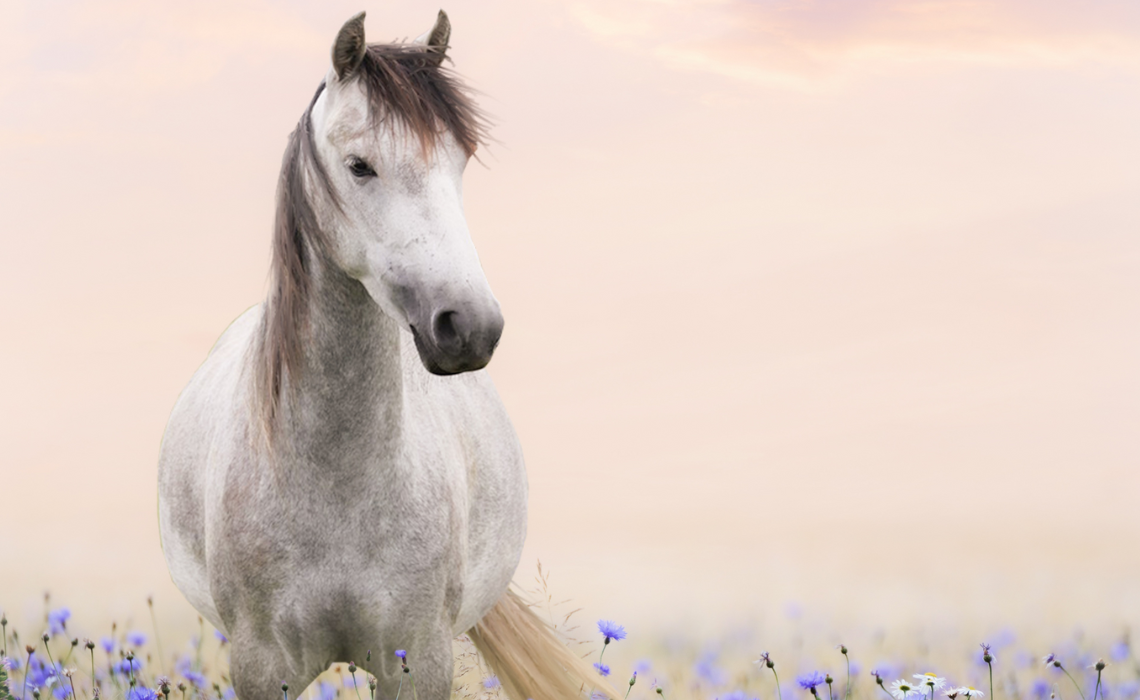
(347, 401)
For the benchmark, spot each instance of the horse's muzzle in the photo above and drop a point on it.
(459, 340)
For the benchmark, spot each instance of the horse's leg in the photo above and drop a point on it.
(258, 670)
(431, 665)
(435, 667)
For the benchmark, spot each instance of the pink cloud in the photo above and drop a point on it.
(798, 41)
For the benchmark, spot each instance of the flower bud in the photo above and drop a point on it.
(351, 667)
(1100, 665)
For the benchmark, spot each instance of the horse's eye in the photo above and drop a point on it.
(359, 168)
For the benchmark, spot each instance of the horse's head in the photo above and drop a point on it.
(393, 134)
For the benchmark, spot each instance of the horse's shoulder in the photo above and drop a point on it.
(240, 331)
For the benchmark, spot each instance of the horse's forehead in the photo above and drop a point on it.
(347, 118)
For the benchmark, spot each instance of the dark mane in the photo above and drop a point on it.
(406, 84)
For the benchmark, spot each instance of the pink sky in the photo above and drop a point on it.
(788, 285)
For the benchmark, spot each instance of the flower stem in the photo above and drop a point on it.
(27, 669)
(157, 641)
(92, 650)
(847, 693)
(355, 687)
(50, 660)
(991, 680)
(779, 693)
(1097, 691)
(1074, 680)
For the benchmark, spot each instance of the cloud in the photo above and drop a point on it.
(801, 42)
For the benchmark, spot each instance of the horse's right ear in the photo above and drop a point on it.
(348, 50)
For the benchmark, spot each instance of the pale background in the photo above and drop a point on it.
(833, 303)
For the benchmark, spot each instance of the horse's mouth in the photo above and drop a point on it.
(444, 364)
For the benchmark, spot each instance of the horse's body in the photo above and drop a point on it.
(323, 491)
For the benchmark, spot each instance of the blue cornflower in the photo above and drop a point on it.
(707, 670)
(196, 679)
(735, 695)
(327, 691)
(41, 675)
(491, 682)
(1120, 651)
(809, 681)
(611, 631)
(128, 666)
(62, 691)
(643, 666)
(136, 638)
(57, 620)
(221, 637)
(108, 644)
(1039, 690)
(402, 654)
(229, 694)
(141, 693)
(602, 668)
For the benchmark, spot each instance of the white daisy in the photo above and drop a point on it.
(903, 689)
(969, 692)
(930, 680)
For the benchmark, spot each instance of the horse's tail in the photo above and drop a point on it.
(529, 659)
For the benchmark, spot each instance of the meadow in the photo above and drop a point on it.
(57, 657)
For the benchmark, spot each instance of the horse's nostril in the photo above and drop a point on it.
(445, 330)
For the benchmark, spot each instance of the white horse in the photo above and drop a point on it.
(325, 488)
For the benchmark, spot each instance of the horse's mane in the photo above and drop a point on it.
(406, 86)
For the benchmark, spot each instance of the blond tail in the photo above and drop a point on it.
(529, 659)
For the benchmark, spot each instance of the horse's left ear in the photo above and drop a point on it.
(349, 47)
(436, 39)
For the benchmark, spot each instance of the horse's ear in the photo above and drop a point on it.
(437, 37)
(348, 50)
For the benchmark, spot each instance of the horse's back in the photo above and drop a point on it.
(213, 395)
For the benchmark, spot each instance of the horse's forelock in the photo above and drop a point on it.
(408, 83)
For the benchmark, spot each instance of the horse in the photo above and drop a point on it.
(340, 480)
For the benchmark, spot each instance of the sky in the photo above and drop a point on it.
(833, 303)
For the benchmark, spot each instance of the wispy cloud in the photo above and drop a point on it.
(798, 42)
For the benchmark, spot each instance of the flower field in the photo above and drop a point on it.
(61, 660)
